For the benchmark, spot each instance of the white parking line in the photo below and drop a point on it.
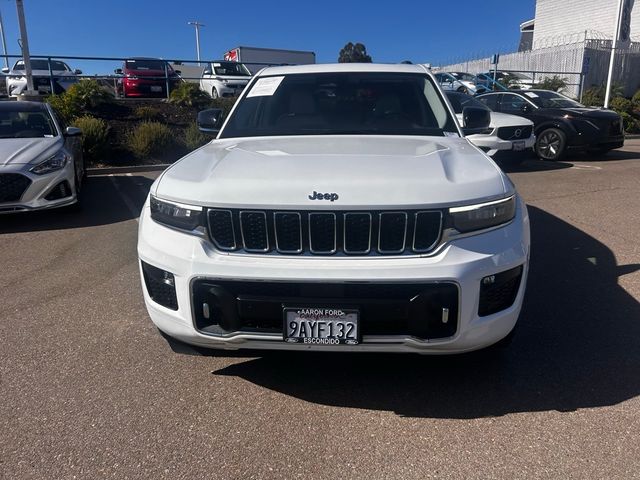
(586, 167)
(125, 198)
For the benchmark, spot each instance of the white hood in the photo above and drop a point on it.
(365, 172)
(16, 151)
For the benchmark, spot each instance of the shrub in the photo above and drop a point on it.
(621, 105)
(148, 113)
(95, 137)
(80, 98)
(636, 98)
(631, 124)
(194, 138)
(555, 83)
(593, 97)
(150, 138)
(189, 94)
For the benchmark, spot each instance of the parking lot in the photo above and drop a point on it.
(90, 389)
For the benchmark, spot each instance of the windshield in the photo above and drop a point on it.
(145, 64)
(42, 65)
(463, 76)
(231, 68)
(461, 100)
(341, 104)
(17, 124)
(548, 99)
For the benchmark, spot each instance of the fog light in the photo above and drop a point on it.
(499, 291)
(160, 286)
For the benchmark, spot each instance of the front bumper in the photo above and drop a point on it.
(493, 144)
(463, 262)
(41, 186)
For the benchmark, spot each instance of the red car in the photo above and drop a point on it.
(146, 77)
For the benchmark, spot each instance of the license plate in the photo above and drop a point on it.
(321, 326)
(518, 145)
(156, 88)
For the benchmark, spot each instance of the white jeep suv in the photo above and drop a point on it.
(339, 208)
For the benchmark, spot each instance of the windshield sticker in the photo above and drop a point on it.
(531, 94)
(265, 87)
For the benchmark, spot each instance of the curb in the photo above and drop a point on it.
(632, 136)
(127, 169)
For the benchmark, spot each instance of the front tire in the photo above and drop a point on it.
(551, 144)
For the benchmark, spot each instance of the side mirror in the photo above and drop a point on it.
(207, 71)
(526, 108)
(6, 70)
(210, 120)
(475, 120)
(118, 71)
(178, 72)
(72, 132)
(77, 71)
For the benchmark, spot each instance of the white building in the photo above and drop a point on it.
(572, 39)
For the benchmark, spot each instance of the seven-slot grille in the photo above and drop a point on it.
(515, 133)
(325, 233)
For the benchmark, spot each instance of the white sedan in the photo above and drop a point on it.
(224, 79)
(62, 75)
(459, 82)
(506, 132)
(41, 164)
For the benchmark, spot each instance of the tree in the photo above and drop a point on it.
(354, 54)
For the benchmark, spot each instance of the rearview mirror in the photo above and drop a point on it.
(72, 132)
(526, 108)
(475, 120)
(210, 120)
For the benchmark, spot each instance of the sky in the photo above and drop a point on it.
(422, 31)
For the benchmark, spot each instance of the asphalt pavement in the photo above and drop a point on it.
(90, 389)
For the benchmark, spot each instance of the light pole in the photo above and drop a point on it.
(197, 25)
(4, 42)
(25, 47)
(614, 44)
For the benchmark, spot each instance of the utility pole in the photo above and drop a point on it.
(25, 46)
(614, 44)
(197, 25)
(4, 42)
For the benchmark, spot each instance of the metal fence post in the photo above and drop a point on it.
(51, 76)
(166, 77)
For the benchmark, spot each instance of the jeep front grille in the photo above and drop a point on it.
(325, 233)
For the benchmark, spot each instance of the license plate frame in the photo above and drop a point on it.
(519, 145)
(156, 89)
(322, 325)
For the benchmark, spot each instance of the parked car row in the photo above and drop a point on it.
(483, 82)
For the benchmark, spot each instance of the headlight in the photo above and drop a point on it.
(184, 217)
(57, 162)
(484, 215)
